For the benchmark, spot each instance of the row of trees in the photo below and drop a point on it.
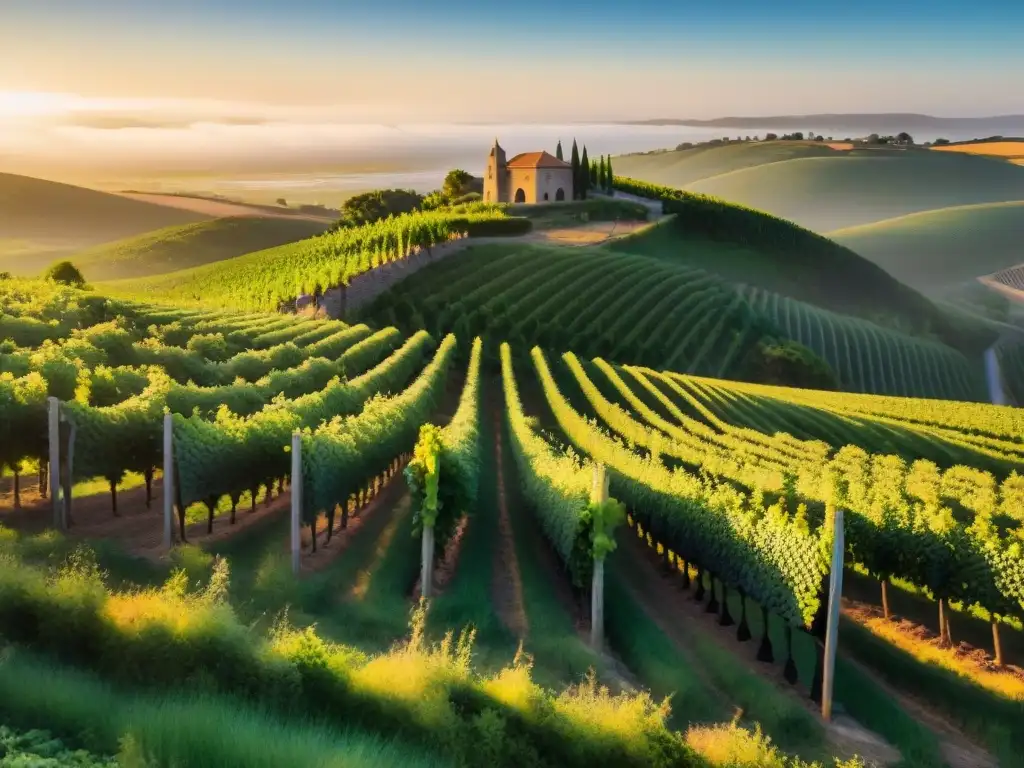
(587, 174)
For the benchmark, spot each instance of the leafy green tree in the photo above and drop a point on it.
(584, 175)
(575, 163)
(457, 183)
(65, 272)
(558, 150)
(608, 173)
(379, 204)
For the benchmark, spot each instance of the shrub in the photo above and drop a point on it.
(789, 364)
(66, 273)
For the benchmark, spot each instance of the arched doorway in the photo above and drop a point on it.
(560, 194)
(545, 195)
(520, 195)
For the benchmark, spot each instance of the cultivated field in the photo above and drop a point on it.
(561, 498)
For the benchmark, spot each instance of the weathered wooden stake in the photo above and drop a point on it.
(296, 500)
(168, 481)
(599, 495)
(427, 569)
(54, 437)
(835, 593)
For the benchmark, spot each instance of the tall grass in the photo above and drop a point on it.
(180, 728)
(175, 637)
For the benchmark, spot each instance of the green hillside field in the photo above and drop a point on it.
(678, 167)
(849, 189)
(191, 245)
(934, 251)
(744, 246)
(54, 218)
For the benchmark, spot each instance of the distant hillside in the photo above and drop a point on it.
(676, 168)
(191, 245)
(1011, 149)
(829, 193)
(935, 251)
(747, 247)
(50, 218)
(868, 123)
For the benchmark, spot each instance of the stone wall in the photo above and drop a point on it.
(341, 302)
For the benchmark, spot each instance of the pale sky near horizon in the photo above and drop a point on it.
(112, 89)
(396, 60)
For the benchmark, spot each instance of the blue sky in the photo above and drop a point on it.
(528, 60)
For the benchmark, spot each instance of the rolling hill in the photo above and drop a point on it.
(657, 312)
(49, 219)
(859, 187)
(191, 245)
(936, 250)
(746, 247)
(679, 167)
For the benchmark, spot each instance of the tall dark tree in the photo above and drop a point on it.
(558, 150)
(602, 181)
(594, 175)
(584, 174)
(576, 177)
(609, 175)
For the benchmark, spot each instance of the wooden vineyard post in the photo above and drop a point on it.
(598, 495)
(168, 480)
(427, 573)
(69, 470)
(296, 488)
(835, 593)
(54, 438)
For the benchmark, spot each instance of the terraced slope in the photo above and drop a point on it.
(935, 250)
(748, 247)
(871, 359)
(598, 302)
(191, 245)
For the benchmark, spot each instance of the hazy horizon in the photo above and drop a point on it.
(119, 88)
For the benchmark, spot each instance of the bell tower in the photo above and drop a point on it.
(494, 180)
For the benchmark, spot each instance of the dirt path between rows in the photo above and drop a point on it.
(507, 585)
(138, 530)
(326, 553)
(681, 617)
(654, 589)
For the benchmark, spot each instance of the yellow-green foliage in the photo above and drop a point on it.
(186, 633)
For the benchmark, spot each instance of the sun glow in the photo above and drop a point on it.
(34, 103)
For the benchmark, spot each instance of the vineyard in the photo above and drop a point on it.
(574, 534)
(868, 358)
(265, 280)
(574, 299)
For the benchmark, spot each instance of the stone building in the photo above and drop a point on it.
(531, 177)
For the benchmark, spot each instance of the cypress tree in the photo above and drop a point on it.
(594, 175)
(558, 150)
(576, 177)
(584, 174)
(609, 175)
(602, 182)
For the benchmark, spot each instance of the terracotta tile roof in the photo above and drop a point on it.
(536, 160)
